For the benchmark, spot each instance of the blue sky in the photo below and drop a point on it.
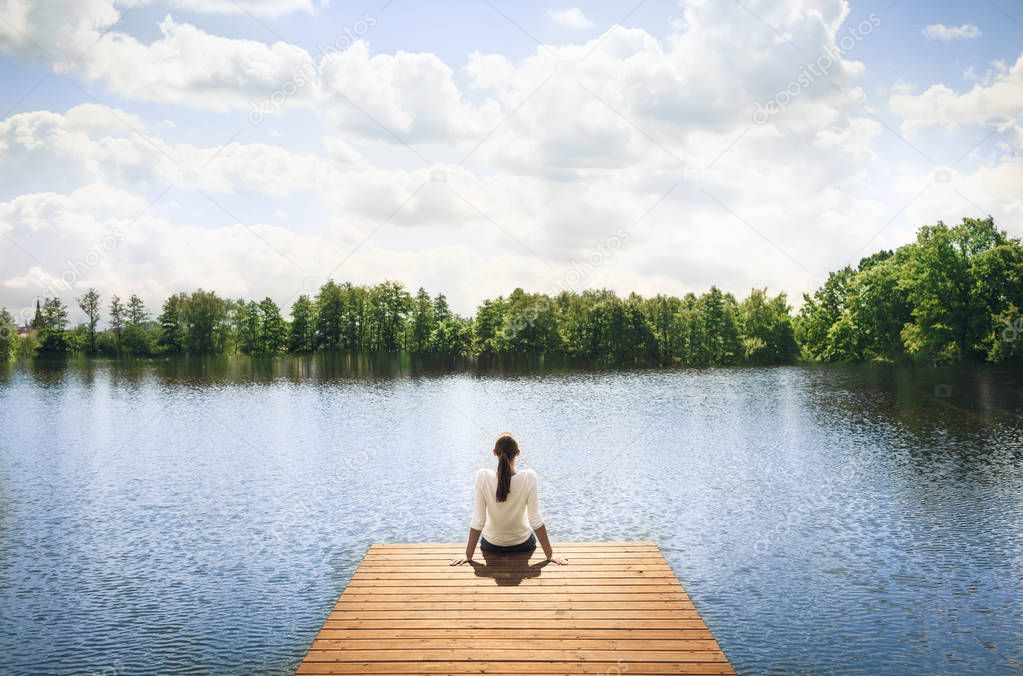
(150, 132)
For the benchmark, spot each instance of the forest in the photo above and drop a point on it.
(954, 294)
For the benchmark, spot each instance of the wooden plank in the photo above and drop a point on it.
(447, 552)
(496, 592)
(648, 563)
(506, 579)
(362, 581)
(532, 567)
(531, 616)
(562, 547)
(486, 644)
(638, 555)
(504, 655)
(615, 608)
(549, 574)
(501, 623)
(503, 668)
(508, 610)
(505, 633)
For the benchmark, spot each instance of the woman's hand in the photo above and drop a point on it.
(548, 551)
(470, 549)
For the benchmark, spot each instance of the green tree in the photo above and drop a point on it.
(302, 336)
(878, 309)
(639, 344)
(89, 304)
(135, 339)
(452, 337)
(205, 321)
(247, 327)
(117, 318)
(766, 327)
(692, 348)
(1006, 340)
(8, 335)
(821, 311)
(663, 314)
(53, 337)
(273, 330)
(389, 304)
(422, 323)
(717, 312)
(355, 322)
(599, 326)
(949, 321)
(137, 314)
(440, 308)
(330, 316)
(998, 272)
(173, 330)
(529, 324)
(488, 323)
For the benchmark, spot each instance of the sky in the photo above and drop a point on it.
(259, 147)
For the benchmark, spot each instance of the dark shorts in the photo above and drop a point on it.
(527, 546)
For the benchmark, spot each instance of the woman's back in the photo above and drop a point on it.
(513, 520)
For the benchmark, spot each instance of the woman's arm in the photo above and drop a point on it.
(545, 543)
(470, 548)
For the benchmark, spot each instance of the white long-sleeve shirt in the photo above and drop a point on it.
(510, 522)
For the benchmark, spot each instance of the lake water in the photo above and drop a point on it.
(205, 515)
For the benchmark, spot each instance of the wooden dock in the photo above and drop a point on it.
(616, 608)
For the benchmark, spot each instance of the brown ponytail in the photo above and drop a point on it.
(505, 448)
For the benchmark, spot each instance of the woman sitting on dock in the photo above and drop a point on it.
(506, 509)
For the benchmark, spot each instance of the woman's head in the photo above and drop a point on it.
(505, 448)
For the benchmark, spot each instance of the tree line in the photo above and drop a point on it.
(598, 326)
(954, 294)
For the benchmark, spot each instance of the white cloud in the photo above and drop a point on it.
(60, 30)
(94, 237)
(570, 18)
(262, 8)
(691, 94)
(983, 182)
(92, 143)
(559, 161)
(994, 103)
(945, 33)
(409, 96)
(190, 66)
(67, 30)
